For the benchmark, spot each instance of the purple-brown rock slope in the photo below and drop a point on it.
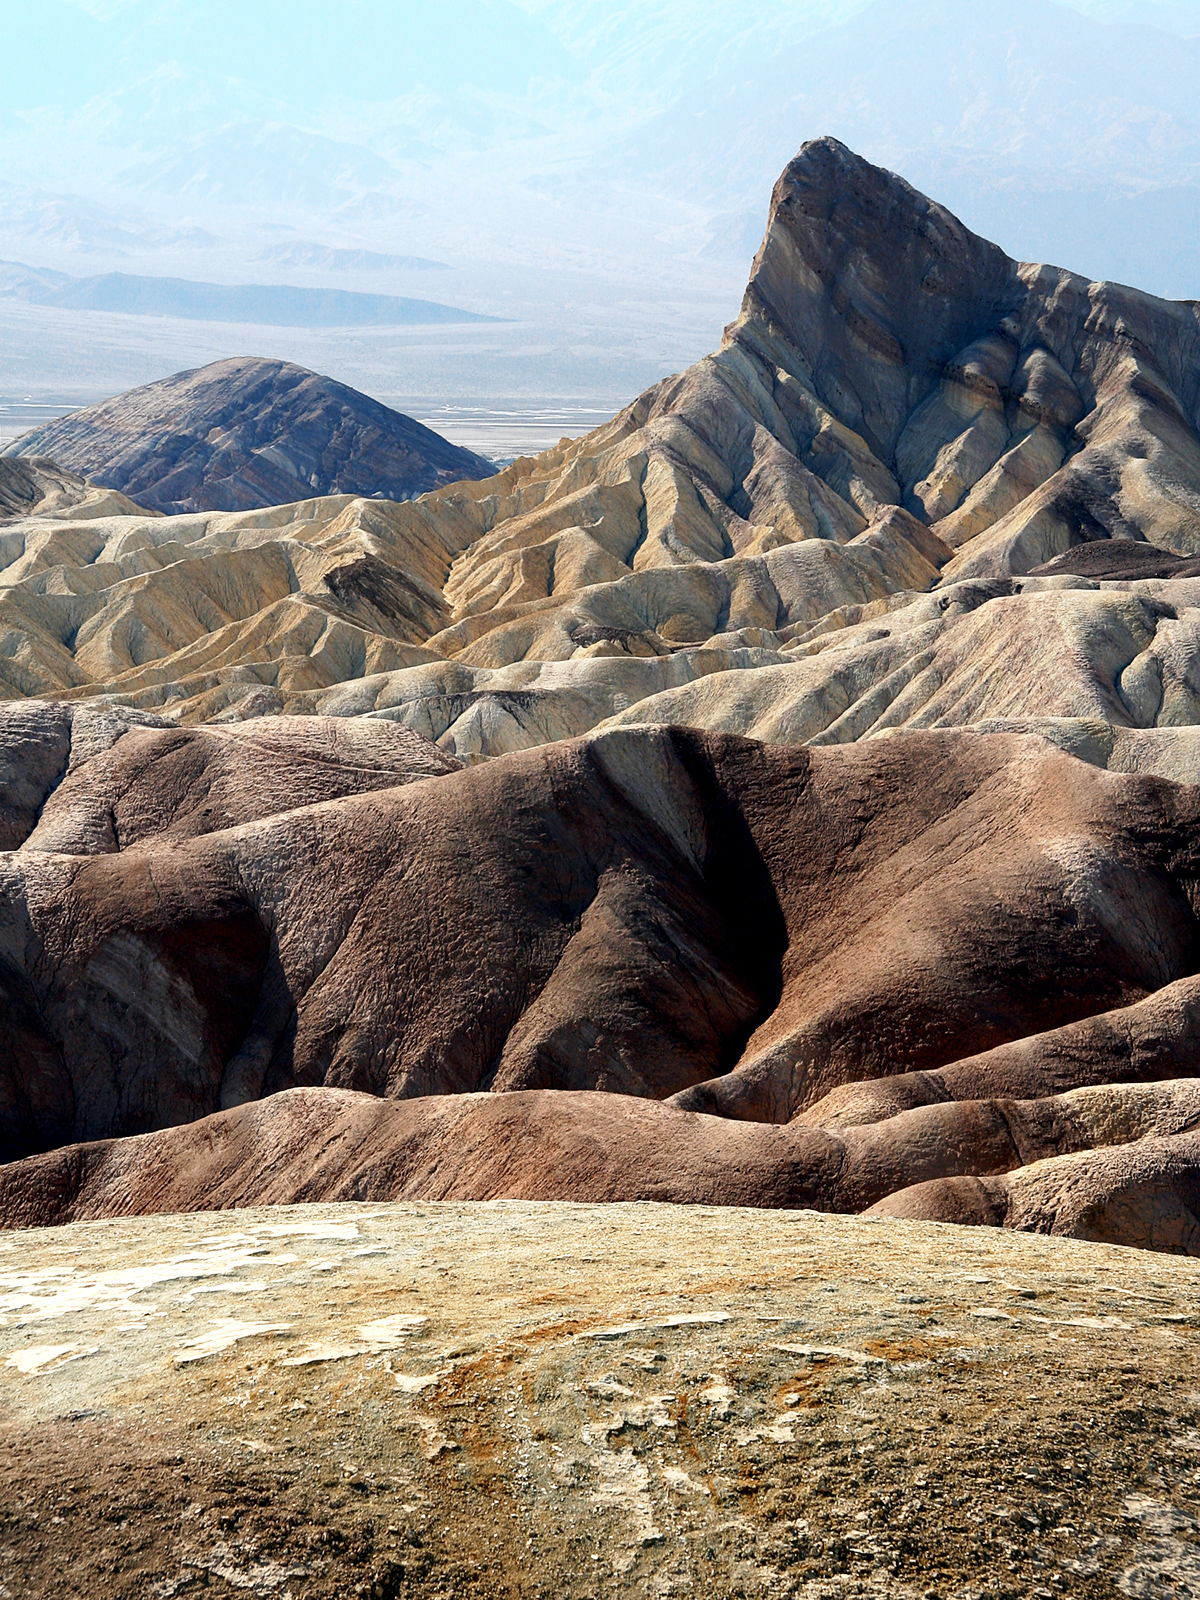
(651, 963)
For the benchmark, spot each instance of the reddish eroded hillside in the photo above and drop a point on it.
(755, 932)
(785, 794)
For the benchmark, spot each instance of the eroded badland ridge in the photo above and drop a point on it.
(949, 973)
(783, 798)
(899, 408)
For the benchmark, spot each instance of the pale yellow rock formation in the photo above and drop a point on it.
(827, 530)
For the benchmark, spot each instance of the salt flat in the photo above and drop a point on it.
(523, 1399)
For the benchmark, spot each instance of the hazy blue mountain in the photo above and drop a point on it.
(598, 174)
(274, 168)
(267, 305)
(236, 58)
(1072, 142)
(305, 253)
(617, 135)
(73, 224)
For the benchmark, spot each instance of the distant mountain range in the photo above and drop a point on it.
(70, 223)
(265, 305)
(306, 253)
(615, 136)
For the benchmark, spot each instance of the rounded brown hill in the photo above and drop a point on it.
(245, 433)
(947, 975)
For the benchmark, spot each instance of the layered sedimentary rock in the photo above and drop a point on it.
(245, 433)
(37, 484)
(899, 411)
(99, 779)
(785, 795)
(646, 964)
(1118, 1164)
(831, 527)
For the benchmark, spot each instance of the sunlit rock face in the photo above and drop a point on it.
(831, 728)
(901, 429)
(646, 964)
(425, 1399)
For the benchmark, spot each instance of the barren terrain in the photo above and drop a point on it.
(785, 794)
(514, 1399)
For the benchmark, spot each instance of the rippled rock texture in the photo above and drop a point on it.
(875, 507)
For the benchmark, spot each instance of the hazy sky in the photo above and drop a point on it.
(584, 165)
(559, 129)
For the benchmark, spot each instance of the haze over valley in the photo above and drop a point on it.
(599, 184)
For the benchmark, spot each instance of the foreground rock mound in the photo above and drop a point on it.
(848, 971)
(245, 433)
(652, 1399)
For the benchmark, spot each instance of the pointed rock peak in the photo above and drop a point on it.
(876, 284)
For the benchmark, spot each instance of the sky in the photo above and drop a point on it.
(577, 164)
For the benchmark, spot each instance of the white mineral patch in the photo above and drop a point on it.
(646, 1413)
(1159, 1515)
(676, 1478)
(433, 1441)
(243, 1569)
(690, 1319)
(624, 1485)
(318, 1351)
(608, 1387)
(250, 1287)
(410, 1383)
(59, 1291)
(387, 1332)
(46, 1357)
(720, 1397)
(225, 1332)
(1162, 1567)
(290, 1230)
(779, 1431)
